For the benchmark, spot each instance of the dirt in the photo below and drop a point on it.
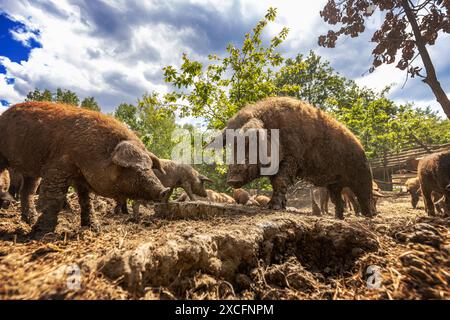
(232, 254)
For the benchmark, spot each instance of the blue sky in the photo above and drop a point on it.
(115, 50)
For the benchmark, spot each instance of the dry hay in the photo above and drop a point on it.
(233, 253)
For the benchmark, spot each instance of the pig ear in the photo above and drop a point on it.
(127, 154)
(156, 163)
(205, 179)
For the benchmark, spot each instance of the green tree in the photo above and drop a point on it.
(67, 97)
(408, 27)
(37, 95)
(220, 89)
(90, 103)
(153, 120)
(316, 81)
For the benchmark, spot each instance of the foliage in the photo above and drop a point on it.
(152, 120)
(247, 74)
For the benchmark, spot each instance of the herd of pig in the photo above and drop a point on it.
(54, 147)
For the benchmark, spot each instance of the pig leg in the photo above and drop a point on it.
(125, 207)
(365, 202)
(280, 183)
(414, 198)
(355, 205)
(335, 191)
(28, 189)
(53, 190)
(121, 207)
(84, 199)
(189, 192)
(428, 201)
(326, 198)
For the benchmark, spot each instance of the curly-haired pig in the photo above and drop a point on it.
(70, 146)
(311, 146)
(174, 175)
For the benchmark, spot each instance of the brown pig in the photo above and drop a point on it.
(413, 187)
(174, 175)
(434, 175)
(70, 146)
(241, 196)
(312, 146)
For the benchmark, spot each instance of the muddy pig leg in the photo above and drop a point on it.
(27, 190)
(121, 206)
(53, 190)
(335, 191)
(88, 218)
(280, 183)
(355, 205)
(428, 201)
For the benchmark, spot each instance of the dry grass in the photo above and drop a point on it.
(412, 253)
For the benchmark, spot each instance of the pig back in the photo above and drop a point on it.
(37, 133)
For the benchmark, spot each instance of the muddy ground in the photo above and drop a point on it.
(400, 254)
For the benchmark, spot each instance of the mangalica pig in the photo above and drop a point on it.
(174, 175)
(241, 196)
(69, 146)
(312, 146)
(16, 183)
(434, 175)
(413, 187)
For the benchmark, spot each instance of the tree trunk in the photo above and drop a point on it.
(431, 78)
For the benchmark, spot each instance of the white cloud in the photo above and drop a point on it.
(115, 51)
